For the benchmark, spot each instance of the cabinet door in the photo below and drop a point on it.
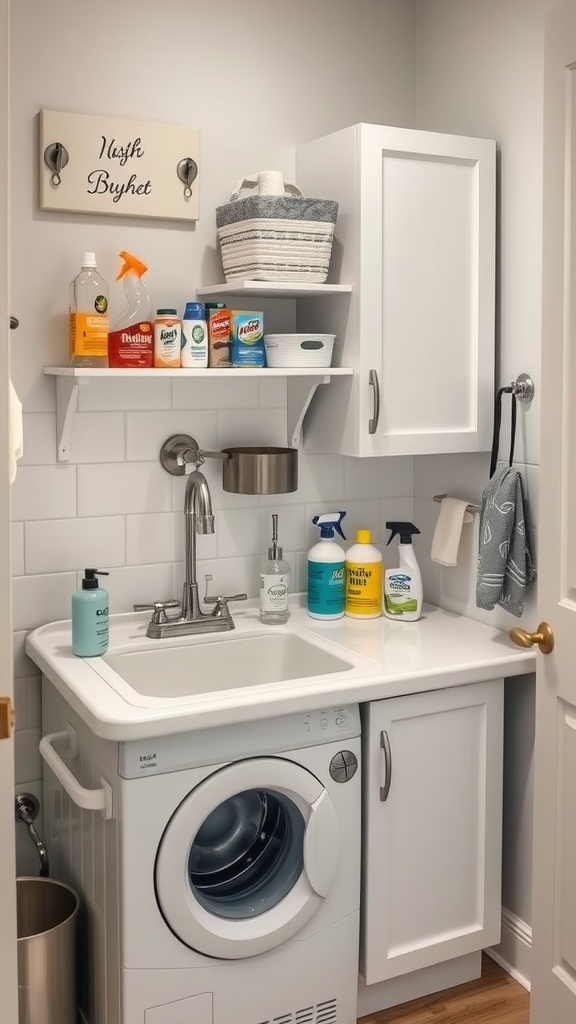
(432, 828)
(415, 237)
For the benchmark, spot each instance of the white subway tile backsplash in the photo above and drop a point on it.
(44, 492)
(21, 664)
(248, 532)
(272, 393)
(211, 393)
(98, 437)
(37, 600)
(378, 478)
(33, 685)
(20, 703)
(142, 584)
(147, 431)
(229, 576)
(320, 481)
(154, 538)
(70, 544)
(132, 393)
(17, 549)
(27, 759)
(251, 427)
(39, 439)
(123, 488)
(460, 475)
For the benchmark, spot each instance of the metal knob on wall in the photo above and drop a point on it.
(14, 323)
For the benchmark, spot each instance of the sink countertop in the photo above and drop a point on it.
(388, 658)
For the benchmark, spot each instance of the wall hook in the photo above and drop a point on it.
(523, 387)
(56, 157)
(187, 171)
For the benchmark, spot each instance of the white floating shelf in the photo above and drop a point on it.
(302, 384)
(273, 289)
(232, 371)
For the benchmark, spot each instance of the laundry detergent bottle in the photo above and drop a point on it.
(131, 337)
(363, 578)
(326, 569)
(403, 593)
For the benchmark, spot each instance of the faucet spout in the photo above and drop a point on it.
(198, 518)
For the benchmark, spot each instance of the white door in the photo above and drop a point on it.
(8, 983)
(554, 900)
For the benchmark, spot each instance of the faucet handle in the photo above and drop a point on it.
(158, 608)
(220, 601)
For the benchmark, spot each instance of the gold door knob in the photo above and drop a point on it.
(543, 636)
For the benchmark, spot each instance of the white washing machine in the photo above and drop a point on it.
(225, 887)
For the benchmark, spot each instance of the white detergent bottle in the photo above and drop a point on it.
(403, 592)
(326, 569)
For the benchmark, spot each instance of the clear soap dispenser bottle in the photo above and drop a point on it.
(274, 583)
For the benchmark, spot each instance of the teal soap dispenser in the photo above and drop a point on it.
(90, 617)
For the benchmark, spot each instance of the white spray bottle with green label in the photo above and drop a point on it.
(403, 592)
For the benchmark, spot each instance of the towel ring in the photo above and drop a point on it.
(523, 387)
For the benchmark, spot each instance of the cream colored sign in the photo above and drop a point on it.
(118, 167)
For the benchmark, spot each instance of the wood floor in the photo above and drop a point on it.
(494, 999)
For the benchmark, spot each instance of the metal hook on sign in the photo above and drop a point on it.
(187, 171)
(56, 157)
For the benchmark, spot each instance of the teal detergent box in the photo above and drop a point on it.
(247, 338)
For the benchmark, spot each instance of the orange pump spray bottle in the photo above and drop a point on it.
(131, 337)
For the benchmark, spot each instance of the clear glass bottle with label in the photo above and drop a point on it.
(88, 316)
(274, 583)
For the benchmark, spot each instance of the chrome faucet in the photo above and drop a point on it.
(180, 455)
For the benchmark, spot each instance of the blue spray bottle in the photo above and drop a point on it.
(326, 569)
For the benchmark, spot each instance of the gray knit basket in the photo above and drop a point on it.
(276, 238)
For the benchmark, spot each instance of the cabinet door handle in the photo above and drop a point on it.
(373, 382)
(385, 744)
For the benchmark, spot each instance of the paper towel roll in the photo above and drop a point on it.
(448, 531)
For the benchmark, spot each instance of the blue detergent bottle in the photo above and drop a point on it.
(326, 569)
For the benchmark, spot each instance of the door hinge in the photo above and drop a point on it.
(6, 718)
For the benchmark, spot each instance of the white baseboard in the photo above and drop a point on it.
(514, 950)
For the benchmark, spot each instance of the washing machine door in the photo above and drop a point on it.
(247, 858)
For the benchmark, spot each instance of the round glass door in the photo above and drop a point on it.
(248, 854)
(247, 858)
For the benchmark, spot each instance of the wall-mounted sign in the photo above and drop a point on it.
(107, 165)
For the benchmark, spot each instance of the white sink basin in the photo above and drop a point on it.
(226, 663)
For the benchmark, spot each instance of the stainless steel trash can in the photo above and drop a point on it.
(47, 914)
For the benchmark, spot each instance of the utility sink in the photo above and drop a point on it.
(225, 663)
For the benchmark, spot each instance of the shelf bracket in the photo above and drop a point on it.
(66, 406)
(300, 392)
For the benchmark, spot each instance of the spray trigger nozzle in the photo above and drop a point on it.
(403, 529)
(329, 522)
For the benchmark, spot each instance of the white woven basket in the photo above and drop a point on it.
(275, 237)
(283, 350)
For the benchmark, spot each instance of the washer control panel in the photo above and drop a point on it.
(225, 743)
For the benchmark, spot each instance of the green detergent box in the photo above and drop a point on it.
(247, 338)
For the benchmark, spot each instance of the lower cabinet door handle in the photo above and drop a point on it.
(385, 744)
(374, 383)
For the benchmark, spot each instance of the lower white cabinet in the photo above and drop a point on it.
(432, 828)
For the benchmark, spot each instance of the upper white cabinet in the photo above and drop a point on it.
(415, 237)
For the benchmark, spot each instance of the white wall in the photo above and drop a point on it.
(256, 83)
(255, 87)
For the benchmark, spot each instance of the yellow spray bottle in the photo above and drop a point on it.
(131, 339)
(363, 578)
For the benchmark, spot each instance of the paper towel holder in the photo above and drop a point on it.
(470, 507)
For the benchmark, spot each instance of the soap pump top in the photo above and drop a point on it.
(89, 581)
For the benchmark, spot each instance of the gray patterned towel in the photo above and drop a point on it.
(505, 565)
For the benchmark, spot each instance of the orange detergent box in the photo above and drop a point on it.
(218, 323)
(247, 338)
